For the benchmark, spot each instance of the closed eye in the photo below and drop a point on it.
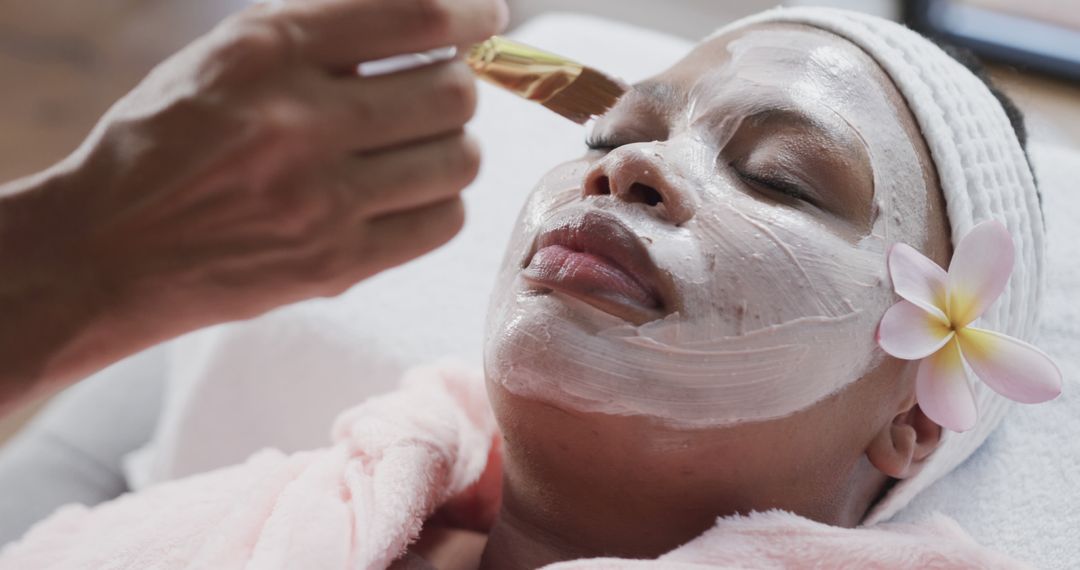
(776, 185)
(597, 142)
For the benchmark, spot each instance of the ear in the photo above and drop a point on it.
(902, 446)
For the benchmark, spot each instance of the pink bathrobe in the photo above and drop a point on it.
(393, 461)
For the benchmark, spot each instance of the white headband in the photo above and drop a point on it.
(984, 175)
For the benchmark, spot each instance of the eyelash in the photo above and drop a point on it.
(782, 186)
(600, 143)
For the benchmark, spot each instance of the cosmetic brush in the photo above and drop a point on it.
(571, 89)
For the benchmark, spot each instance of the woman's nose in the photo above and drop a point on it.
(637, 173)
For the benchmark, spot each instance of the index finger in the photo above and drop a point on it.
(341, 33)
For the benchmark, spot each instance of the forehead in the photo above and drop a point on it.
(788, 65)
(802, 61)
(793, 70)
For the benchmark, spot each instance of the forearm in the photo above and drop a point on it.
(52, 329)
(244, 173)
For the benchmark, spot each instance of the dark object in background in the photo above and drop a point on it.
(1037, 35)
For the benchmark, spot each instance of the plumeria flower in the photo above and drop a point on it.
(933, 324)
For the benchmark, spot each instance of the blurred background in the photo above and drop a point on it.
(63, 62)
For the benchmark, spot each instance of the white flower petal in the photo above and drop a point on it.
(979, 271)
(942, 389)
(1011, 367)
(917, 278)
(909, 332)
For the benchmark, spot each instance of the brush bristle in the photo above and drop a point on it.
(592, 93)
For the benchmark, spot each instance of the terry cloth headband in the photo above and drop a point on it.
(984, 175)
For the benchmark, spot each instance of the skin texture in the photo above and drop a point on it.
(253, 169)
(579, 483)
(761, 298)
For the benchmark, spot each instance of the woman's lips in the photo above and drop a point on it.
(595, 259)
(560, 267)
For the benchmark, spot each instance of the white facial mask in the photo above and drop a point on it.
(778, 308)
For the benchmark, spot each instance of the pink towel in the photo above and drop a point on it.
(777, 540)
(394, 461)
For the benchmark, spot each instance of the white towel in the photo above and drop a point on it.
(1020, 492)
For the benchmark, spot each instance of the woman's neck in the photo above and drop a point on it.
(552, 524)
(554, 521)
(514, 544)
(588, 485)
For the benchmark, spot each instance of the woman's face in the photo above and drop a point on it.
(716, 262)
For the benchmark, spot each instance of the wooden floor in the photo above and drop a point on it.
(63, 62)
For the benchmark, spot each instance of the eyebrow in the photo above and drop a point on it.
(822, 119)
(787, 116)
(822, 122)
(657, 92)
(662, 93)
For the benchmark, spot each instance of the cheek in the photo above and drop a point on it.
(559, 187)
(766, 265)
(778, 314)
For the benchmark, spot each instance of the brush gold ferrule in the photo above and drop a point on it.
(529, 72)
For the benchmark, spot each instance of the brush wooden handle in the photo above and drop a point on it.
(532, 73)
